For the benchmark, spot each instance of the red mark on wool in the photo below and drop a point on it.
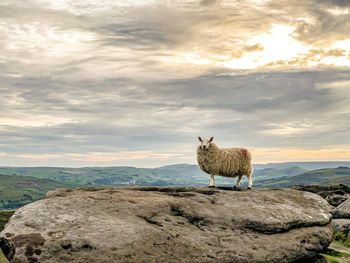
(245, 152)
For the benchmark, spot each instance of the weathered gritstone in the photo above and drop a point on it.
(169, 224)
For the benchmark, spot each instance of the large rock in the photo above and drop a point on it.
(342, 211)
(341, 225)
(336, 200)
(169, 225)
(334, 194)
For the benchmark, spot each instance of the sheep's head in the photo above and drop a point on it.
(205, 143)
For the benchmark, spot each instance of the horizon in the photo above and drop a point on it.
(133, 83)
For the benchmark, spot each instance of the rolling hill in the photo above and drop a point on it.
(178, 174)
(268, 173)
(16, 191)
(304, 165)
(319, 177)
(22, 185)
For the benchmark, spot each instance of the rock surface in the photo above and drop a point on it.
(341, 225)
(342, 211)
(150, 224)
(336, 200)
(334, 194)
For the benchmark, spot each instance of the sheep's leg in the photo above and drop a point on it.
(212, 181)
(250, 181)
(238, 182)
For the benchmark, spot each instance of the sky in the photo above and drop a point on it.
(134, 82)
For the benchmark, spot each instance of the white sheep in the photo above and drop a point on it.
(227, 162)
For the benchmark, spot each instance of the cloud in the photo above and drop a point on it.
(341, 3)
(110, 82)
(270, 109)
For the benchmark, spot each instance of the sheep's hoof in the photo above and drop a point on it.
(211, 186)
(249, 188)
(237, 188)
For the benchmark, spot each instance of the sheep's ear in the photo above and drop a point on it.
(200, 139)
(211, 139)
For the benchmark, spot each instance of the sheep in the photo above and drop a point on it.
(227, 162)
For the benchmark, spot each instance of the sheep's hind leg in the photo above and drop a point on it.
(238, 182)
(212, 181)
(250, 181)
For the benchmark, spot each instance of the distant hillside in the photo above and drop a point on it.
(183, 174)
(177, 174)
(304, 165)
(317, 177)
(16, 191)
(22, 185)
(275, 173)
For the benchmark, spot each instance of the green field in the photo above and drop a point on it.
(340, 175)
(338, 251)
(117, 176)
(3, 259)
(273, 173)
(20, 186)
(16, 191)
(4, 217)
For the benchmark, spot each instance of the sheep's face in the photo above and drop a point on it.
(205, 143)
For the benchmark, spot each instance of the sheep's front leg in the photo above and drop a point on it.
(212, 181)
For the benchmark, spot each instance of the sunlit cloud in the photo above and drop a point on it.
(38, 157)
(288, 129)
(343, 44)
(37, 40)
(39, 121)
(343, 85)
(126, 156)
(289, 155)
(338, 11)
(277, 44)
(80, 7)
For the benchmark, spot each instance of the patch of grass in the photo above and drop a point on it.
(4, 217)
(340, 236)
(331, 259)
(333, 256)
(17, 191)
(341, 239)
(3, 259)
(336, 254)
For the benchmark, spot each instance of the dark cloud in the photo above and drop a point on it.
(209, 2)
(149, 28)
(252, 92)
(325, 29)
(341, 3)
(244, 105)
(317, 22)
